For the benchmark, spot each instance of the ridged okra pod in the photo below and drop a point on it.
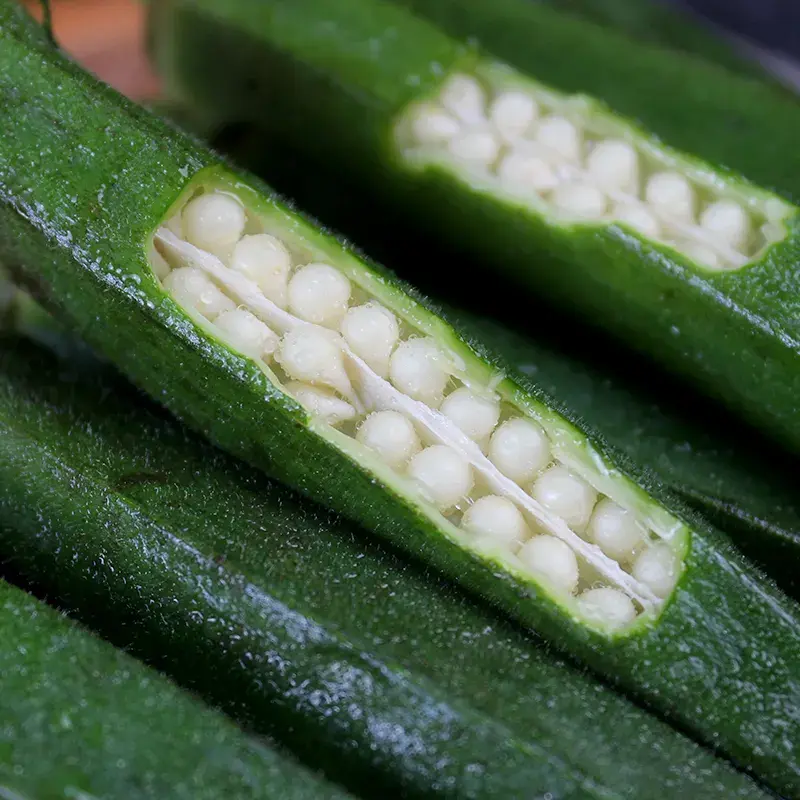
(287, 348)
(292, 621)
(554, 191)
(83, 720)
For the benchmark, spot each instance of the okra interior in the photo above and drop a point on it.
(571, 160)
(391, 386)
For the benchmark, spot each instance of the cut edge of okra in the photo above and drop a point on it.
(391, 385)
(569, 159)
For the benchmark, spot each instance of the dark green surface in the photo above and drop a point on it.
(82, 720)
(298, 624)
(84, 180)
(308, 66)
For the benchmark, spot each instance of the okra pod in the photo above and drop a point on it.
(553, 190)
(292, 621)
(288, 349)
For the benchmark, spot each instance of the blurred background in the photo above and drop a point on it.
(108, 35)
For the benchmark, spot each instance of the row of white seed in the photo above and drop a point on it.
(585, 177)
(312, 357)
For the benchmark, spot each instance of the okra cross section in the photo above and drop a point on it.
(574, 162)
(497, 472)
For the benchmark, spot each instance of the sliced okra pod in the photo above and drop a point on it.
(287, 348)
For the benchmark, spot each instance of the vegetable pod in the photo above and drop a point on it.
(323, 658)
(83, 720)
(712, 461)
(286, 348)
(686, 262)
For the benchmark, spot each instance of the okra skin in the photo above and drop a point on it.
(732, 333)
(94, 271)
(293, 622)
(81, 719)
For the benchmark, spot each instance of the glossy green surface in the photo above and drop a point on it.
(296, 623)
(84, 180)
(82, 720)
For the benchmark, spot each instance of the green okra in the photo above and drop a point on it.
(291, 621)
(287, 348)
(81, 720)
(555, 191)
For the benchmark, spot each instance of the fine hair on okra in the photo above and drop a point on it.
(284, 346)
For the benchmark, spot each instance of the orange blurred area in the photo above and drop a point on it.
(107, 37)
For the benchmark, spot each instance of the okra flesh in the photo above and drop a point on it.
(381, 378)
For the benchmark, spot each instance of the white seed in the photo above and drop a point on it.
(192, 288)
(512, 113)
(476, 415)
(614, 165)
(657, 568)
(158, 262)
(463, 97)
(561, 137)
(566, 496)
(636, 216)
(175, 224)
(580, 200)
(671, 194)
(478, 148)
(519, 449)
(319, 293)
(266, 261)
(700, 254)
(419, 369)
(496, 519)
(247, 333)
(609, 607)
(214, 222)
(391, 436)
(614, 530)
(372, 333)
(552, 559)
(321, 403)
(728, 221)
(444, 477)
(522, 172)
(431, 125)
(314, 355)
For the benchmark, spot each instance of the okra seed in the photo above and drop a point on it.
(321, 403)
(520, 171)
(560, 136)
(566, 496)
(192, 288)
(479, 148)
(614, 164)
(419, 369)
(580, 200)
(214, 221)
(431, 125)
(519, 449)
(512, 113)
(266, 261)
(247, 333)
(497, 519)
(444, 477)
(463, 97)
(672, 194)
(728, 221)
(313, 355)
(657, 568)
(391, 436)
(608, 606)
(638, 218)
(319, 293)
(699, 253)
(158, 263)
(552, 559)
(614, 530)
(372, 333)
(476, 416)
